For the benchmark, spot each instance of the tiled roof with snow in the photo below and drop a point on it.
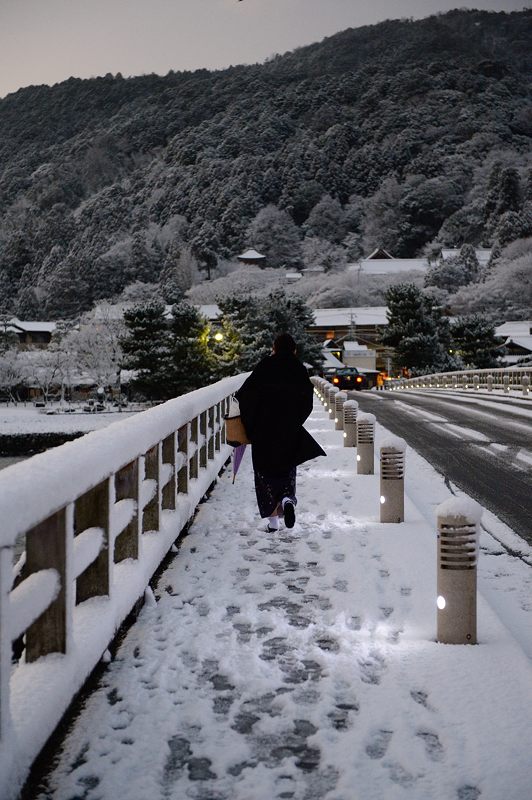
(518, 328)
(251, 254)
(33, 327)
(365, 315)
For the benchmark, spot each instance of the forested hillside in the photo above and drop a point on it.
(409, 135)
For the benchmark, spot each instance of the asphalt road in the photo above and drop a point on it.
(474, 445)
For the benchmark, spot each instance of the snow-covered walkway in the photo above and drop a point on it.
(303, 664)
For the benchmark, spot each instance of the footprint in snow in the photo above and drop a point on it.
(433, 746)
(378, 745)
(421, 698)
(371, 668)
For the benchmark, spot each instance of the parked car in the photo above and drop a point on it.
(348, 378)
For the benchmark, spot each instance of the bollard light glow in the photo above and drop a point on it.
(383, 499)
(358, 458)
(440, 602)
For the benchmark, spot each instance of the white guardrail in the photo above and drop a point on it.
(513, 379)
(94, 519)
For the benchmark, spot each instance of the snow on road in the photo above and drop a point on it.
(303, 664)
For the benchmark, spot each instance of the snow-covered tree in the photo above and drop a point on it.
(147, 350)
(273, 233)
(473, 341)
(12, 373)
(416, 331)
(327, 220)
(191, 361)
(322, 253)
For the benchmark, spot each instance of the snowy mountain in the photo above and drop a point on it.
(396, 135)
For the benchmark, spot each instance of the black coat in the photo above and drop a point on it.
(275, 400)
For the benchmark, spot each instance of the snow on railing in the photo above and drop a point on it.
(96, 517)
(516, 379)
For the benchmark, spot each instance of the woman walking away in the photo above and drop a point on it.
(275, 400)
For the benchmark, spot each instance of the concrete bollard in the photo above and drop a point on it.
(464, 381)
(365, 443)
(455, 381)
(506, 384)
(458, 524)
(489, 381)
(476, 382)
(333, 391)
(350, 423)
(525, 383)
(392, 460)
(339, 401)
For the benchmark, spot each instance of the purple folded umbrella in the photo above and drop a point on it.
(238, 455)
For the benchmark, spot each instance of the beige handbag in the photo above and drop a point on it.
(235, 433)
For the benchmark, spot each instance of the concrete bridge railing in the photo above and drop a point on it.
(511, 379)
(93, 518)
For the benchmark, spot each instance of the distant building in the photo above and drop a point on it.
(381, 262)
(252, 257)
(31, 334)
(517, 341)
(359, 355)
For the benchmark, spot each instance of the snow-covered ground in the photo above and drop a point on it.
(29, 419)
(304, 665)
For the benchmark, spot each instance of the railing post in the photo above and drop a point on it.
(350, 423)
(525, 383)
(457, 571)
(182, 475)
(127, 487)
(392, 482)
(91, 510)
(217, 423)
(203, 434)
(151, 513)
(339, 401)
(6, 578)
(365, 442)
(194, 461)
(169, 491)
(210, 433)
(49, 546)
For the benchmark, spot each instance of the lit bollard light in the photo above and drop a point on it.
(464, 381)
(458, 524)
(455, 381)
(506, 384)
(392, 483)
(339, 401)
(350, 423)
(333, 391)
(489, 381)
(525, 383)
(365, 443)
(476, 382)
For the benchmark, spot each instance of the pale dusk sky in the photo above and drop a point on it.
(47, 41)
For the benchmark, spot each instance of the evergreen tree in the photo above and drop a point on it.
(327, 220)
(273, 234)
(473, 341)
(147, 350)
(192, 365)
(414, 330)
(259, 322)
